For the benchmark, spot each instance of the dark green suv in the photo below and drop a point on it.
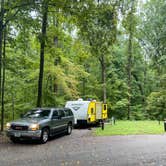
(41, 123)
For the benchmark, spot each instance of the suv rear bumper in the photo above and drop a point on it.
(24, 134)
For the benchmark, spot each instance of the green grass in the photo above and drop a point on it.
(131, 128)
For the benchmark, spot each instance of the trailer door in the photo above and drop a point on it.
(98, 110)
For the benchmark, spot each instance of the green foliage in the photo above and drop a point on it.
(157, 105)
(119, 109)
(97, 24)
(154, 21)
(79, 34)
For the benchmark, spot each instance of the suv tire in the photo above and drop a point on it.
(69, 129)
(44, 136)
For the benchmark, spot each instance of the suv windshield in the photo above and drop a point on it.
(37, 114)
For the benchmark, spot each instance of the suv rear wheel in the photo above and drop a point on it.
(44, 136)
(69, 129)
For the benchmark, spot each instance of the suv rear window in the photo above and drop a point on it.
(68, 112)
(62, 113)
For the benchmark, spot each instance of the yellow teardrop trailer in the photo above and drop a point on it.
(87, 112)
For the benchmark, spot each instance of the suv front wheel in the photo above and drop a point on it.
(69, 129)
(44, 136)
(14, 139)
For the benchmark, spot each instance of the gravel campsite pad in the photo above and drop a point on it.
(82, 148)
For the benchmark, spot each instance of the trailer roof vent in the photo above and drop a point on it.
(80, 99)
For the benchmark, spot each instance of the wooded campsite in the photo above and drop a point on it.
(114, 51)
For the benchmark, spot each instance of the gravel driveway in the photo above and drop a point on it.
(81, 148)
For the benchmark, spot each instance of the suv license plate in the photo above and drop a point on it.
(17, 134)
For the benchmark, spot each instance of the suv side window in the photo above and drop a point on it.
(55, 114)
(68, 112)
(45, 113)
(62, 114)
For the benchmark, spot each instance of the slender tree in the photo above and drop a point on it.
(98, 27)
(42, 48)
(130, 55)
(1, 46)
(3, 80)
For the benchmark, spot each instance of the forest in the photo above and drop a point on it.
(114, 51)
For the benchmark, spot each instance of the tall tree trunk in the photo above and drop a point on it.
(129, 63)
(129, 75)
(42, 47)
(3, 80)
(56, 60)
(144, 86)
(83, 87)
(13, 105)
(103, 76)
(1, 43)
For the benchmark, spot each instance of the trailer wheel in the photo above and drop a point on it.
(97, 124)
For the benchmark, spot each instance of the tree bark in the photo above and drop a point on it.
(129, 74)
(103, 76)
(13, 105)
(3, 81)
(1, 43)
(42, 47)
(129, 63)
